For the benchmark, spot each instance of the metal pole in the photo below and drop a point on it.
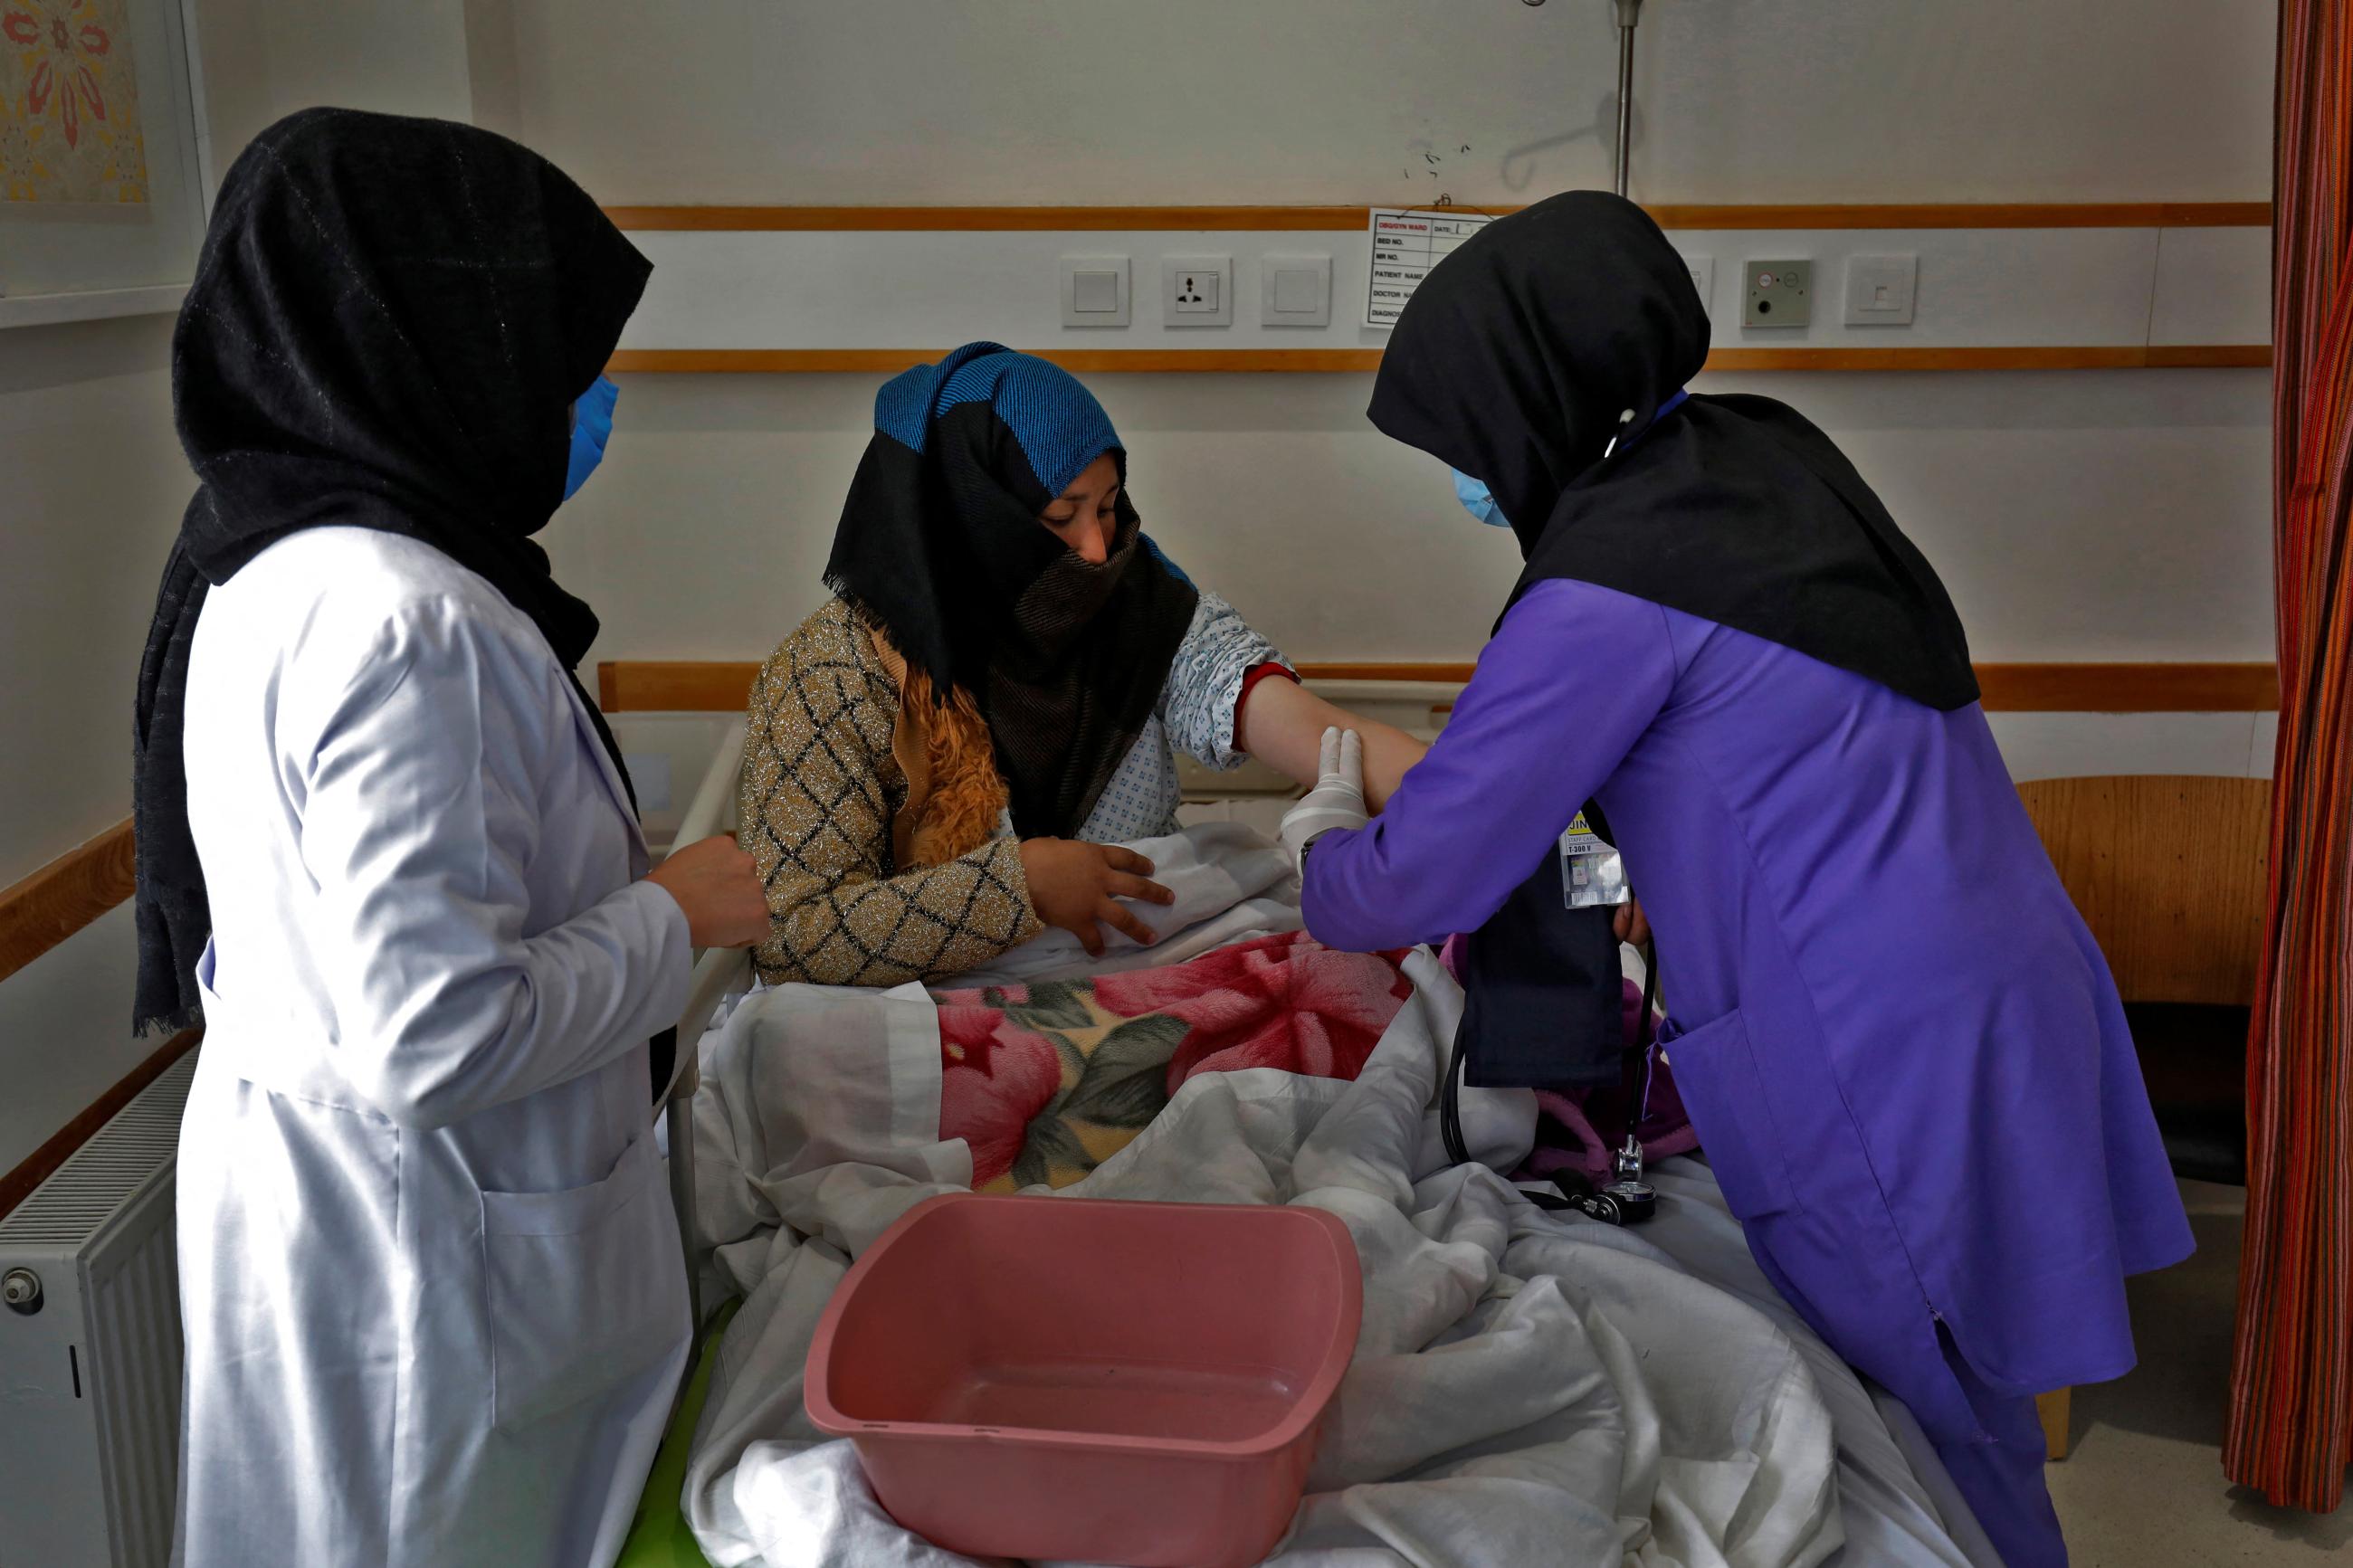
(1630, 17)
(680, 1112)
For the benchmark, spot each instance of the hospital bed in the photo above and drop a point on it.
(1887, 1467)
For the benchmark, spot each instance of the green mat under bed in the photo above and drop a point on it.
(658, 1537)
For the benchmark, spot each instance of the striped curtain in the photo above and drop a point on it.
(2291, 1420)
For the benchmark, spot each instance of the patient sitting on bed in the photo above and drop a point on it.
(941, 761)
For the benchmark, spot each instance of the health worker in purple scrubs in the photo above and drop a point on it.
(1903, 1053)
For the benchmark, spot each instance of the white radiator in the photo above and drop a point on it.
(90, 1351)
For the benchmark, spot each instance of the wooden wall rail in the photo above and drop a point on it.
(2129, 688)
(636, 686)
(1097, 362)
(77, 888)
(1338, 219)
(64, 896)
(38, 913)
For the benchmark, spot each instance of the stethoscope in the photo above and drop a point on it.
(1626, 1198)
(1627, 418)
(1629, 1200)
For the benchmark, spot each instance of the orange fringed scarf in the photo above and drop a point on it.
(956, 796)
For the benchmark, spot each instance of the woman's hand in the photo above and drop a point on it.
(714, 882)
(1336, 801)
(1076, 887)
(1631, 924)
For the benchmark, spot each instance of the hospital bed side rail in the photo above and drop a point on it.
(718, 972)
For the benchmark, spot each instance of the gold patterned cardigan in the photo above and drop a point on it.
(825, 812)
(877, 817)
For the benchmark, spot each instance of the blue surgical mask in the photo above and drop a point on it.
(592, 426)
(1478, 501)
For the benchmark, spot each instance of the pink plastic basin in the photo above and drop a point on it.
(1124, 1382)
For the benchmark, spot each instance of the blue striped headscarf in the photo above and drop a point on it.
(941, 548)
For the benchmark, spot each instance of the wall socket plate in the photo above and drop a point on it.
(1094, 290)
(1703, 277)
(1778, 294)
(1294, 291)
(1880, 290)
(1196, 291)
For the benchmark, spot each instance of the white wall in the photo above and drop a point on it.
(934, 289)
(2093, 516)
(2076, 515)
(263, 60)
(94, 486)
(92, 482)
(1106, 101)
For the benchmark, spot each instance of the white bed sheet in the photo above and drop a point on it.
(1528, 1387)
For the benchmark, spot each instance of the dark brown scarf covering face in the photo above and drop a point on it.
(941, 548)
(1041, 693)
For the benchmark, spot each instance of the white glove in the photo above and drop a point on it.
(1336, 801)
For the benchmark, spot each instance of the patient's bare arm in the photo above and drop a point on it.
(1282, 724)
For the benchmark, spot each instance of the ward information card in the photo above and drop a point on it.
(1405, 246)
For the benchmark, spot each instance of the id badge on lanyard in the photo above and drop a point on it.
(1592, 873)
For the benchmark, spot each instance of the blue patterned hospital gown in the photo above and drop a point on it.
(1195, 716)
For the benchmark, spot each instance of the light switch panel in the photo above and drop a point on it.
(1295, 291)
(1094, 290)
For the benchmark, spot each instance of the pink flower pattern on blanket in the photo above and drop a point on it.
(996, 1076)
(1285, 1002)
(1044, 1082)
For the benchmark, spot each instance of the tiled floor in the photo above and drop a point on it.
(2144, 1488)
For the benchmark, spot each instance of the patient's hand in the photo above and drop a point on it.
(1076, 887)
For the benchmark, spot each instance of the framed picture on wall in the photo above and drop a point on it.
(101, 201)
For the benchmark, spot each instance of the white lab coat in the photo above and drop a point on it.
(430, 1277)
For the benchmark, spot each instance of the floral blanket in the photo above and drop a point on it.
(1048, 1080)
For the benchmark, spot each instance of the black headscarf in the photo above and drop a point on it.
(390, 320)
(1515, 361)
(940, 547)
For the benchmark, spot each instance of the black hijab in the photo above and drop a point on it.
(1515, 360)
(390, 320)
(940, 547)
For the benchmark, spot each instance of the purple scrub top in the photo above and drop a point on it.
(1903, 1052)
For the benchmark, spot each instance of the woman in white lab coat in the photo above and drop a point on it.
(431, 1283)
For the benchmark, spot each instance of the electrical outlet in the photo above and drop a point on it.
(1196, 291)
(1779, 294)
